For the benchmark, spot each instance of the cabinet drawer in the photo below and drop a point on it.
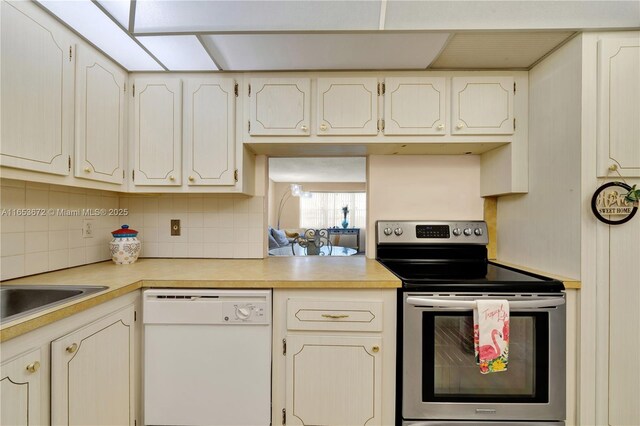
(341, 315)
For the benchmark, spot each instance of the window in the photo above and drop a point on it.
(324, 209)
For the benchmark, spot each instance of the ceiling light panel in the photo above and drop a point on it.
(335, 51)
(499, 50)
(87, 19)
(233, 15)
(119, 9)
(179, 53)
(500, 14)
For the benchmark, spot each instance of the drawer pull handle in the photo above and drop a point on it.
(71, 349)
(332, 316)
(33, 367)
(375, 349)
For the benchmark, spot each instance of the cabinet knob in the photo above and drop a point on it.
(613, 167)
(191, 179)
(440, 126)
(172, 178)
(33, 367)
(323, 127)
(304, 128)
(71, 349)
(87, 169)
(375, 349)
(460, 125)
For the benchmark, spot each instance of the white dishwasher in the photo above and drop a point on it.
(207, 357)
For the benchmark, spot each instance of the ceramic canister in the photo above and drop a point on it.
(125, 246)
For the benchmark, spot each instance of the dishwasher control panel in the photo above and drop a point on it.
(234, 312)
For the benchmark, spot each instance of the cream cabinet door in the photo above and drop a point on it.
(482, 106)
(347, 106)
(333, 380)
(100, 105)
(157, 140)
(92, 373)
(37, 91)
(279, 106)
(20, 387)
(415, 106)
(209, 129)
(619, 106)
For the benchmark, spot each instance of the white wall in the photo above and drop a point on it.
(213, 225)
(422, 187)
(541, 229)
(35, 244)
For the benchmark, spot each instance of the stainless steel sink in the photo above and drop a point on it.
(20, 300)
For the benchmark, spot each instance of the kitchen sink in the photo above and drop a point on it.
(20, 300)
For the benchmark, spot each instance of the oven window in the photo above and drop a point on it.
(452, 375)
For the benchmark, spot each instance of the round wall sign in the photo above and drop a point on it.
(609, 205)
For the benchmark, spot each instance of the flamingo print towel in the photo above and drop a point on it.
(491, 335)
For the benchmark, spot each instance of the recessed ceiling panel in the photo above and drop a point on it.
(251, 15)
(87, 19)
(497, 50)
(335, 51)
(119, 9)
(514, 14)
(179, 53)
(326, 169)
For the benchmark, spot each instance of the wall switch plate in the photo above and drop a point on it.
(175, 227)
(87, 228)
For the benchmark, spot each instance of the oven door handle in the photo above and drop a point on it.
(471, 304)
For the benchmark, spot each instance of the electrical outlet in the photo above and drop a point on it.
(175, 227)
(87, 228)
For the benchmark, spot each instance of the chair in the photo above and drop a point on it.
(312, 241)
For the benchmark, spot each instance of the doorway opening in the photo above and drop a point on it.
(319, 198)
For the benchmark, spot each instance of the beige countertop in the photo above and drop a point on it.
(274, 272)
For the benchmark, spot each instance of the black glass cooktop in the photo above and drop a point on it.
(468, 276)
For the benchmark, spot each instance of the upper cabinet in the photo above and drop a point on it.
(618, 119)
(482, 106)
(347, 106)
(415, 106)
(209, 129)
(100, 118)
(279, 106)
(157, 139)
(37, 92)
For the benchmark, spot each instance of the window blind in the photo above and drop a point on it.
(324, 209)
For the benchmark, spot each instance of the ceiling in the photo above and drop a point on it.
(325, 169)
(260, 35)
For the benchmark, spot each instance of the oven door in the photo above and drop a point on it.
(441, 379)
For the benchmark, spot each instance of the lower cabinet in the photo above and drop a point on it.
(20, 387)
(91, 373)
(333, 380)
(334, 357)
(80, 370)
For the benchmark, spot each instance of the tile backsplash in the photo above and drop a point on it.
(213, 226)
(47, 235)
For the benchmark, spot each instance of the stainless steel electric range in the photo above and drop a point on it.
(444, 269)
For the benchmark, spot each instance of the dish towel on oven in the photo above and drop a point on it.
(491, 335)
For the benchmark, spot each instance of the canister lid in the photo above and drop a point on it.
(124, 232)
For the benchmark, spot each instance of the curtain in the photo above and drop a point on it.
(324, 209)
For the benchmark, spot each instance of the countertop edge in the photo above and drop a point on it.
(24, 326)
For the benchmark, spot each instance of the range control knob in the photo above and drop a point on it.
(398, 231)
(478, 231)
(243, 312)
(388, 231)
(468, 231)
(457, 232)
